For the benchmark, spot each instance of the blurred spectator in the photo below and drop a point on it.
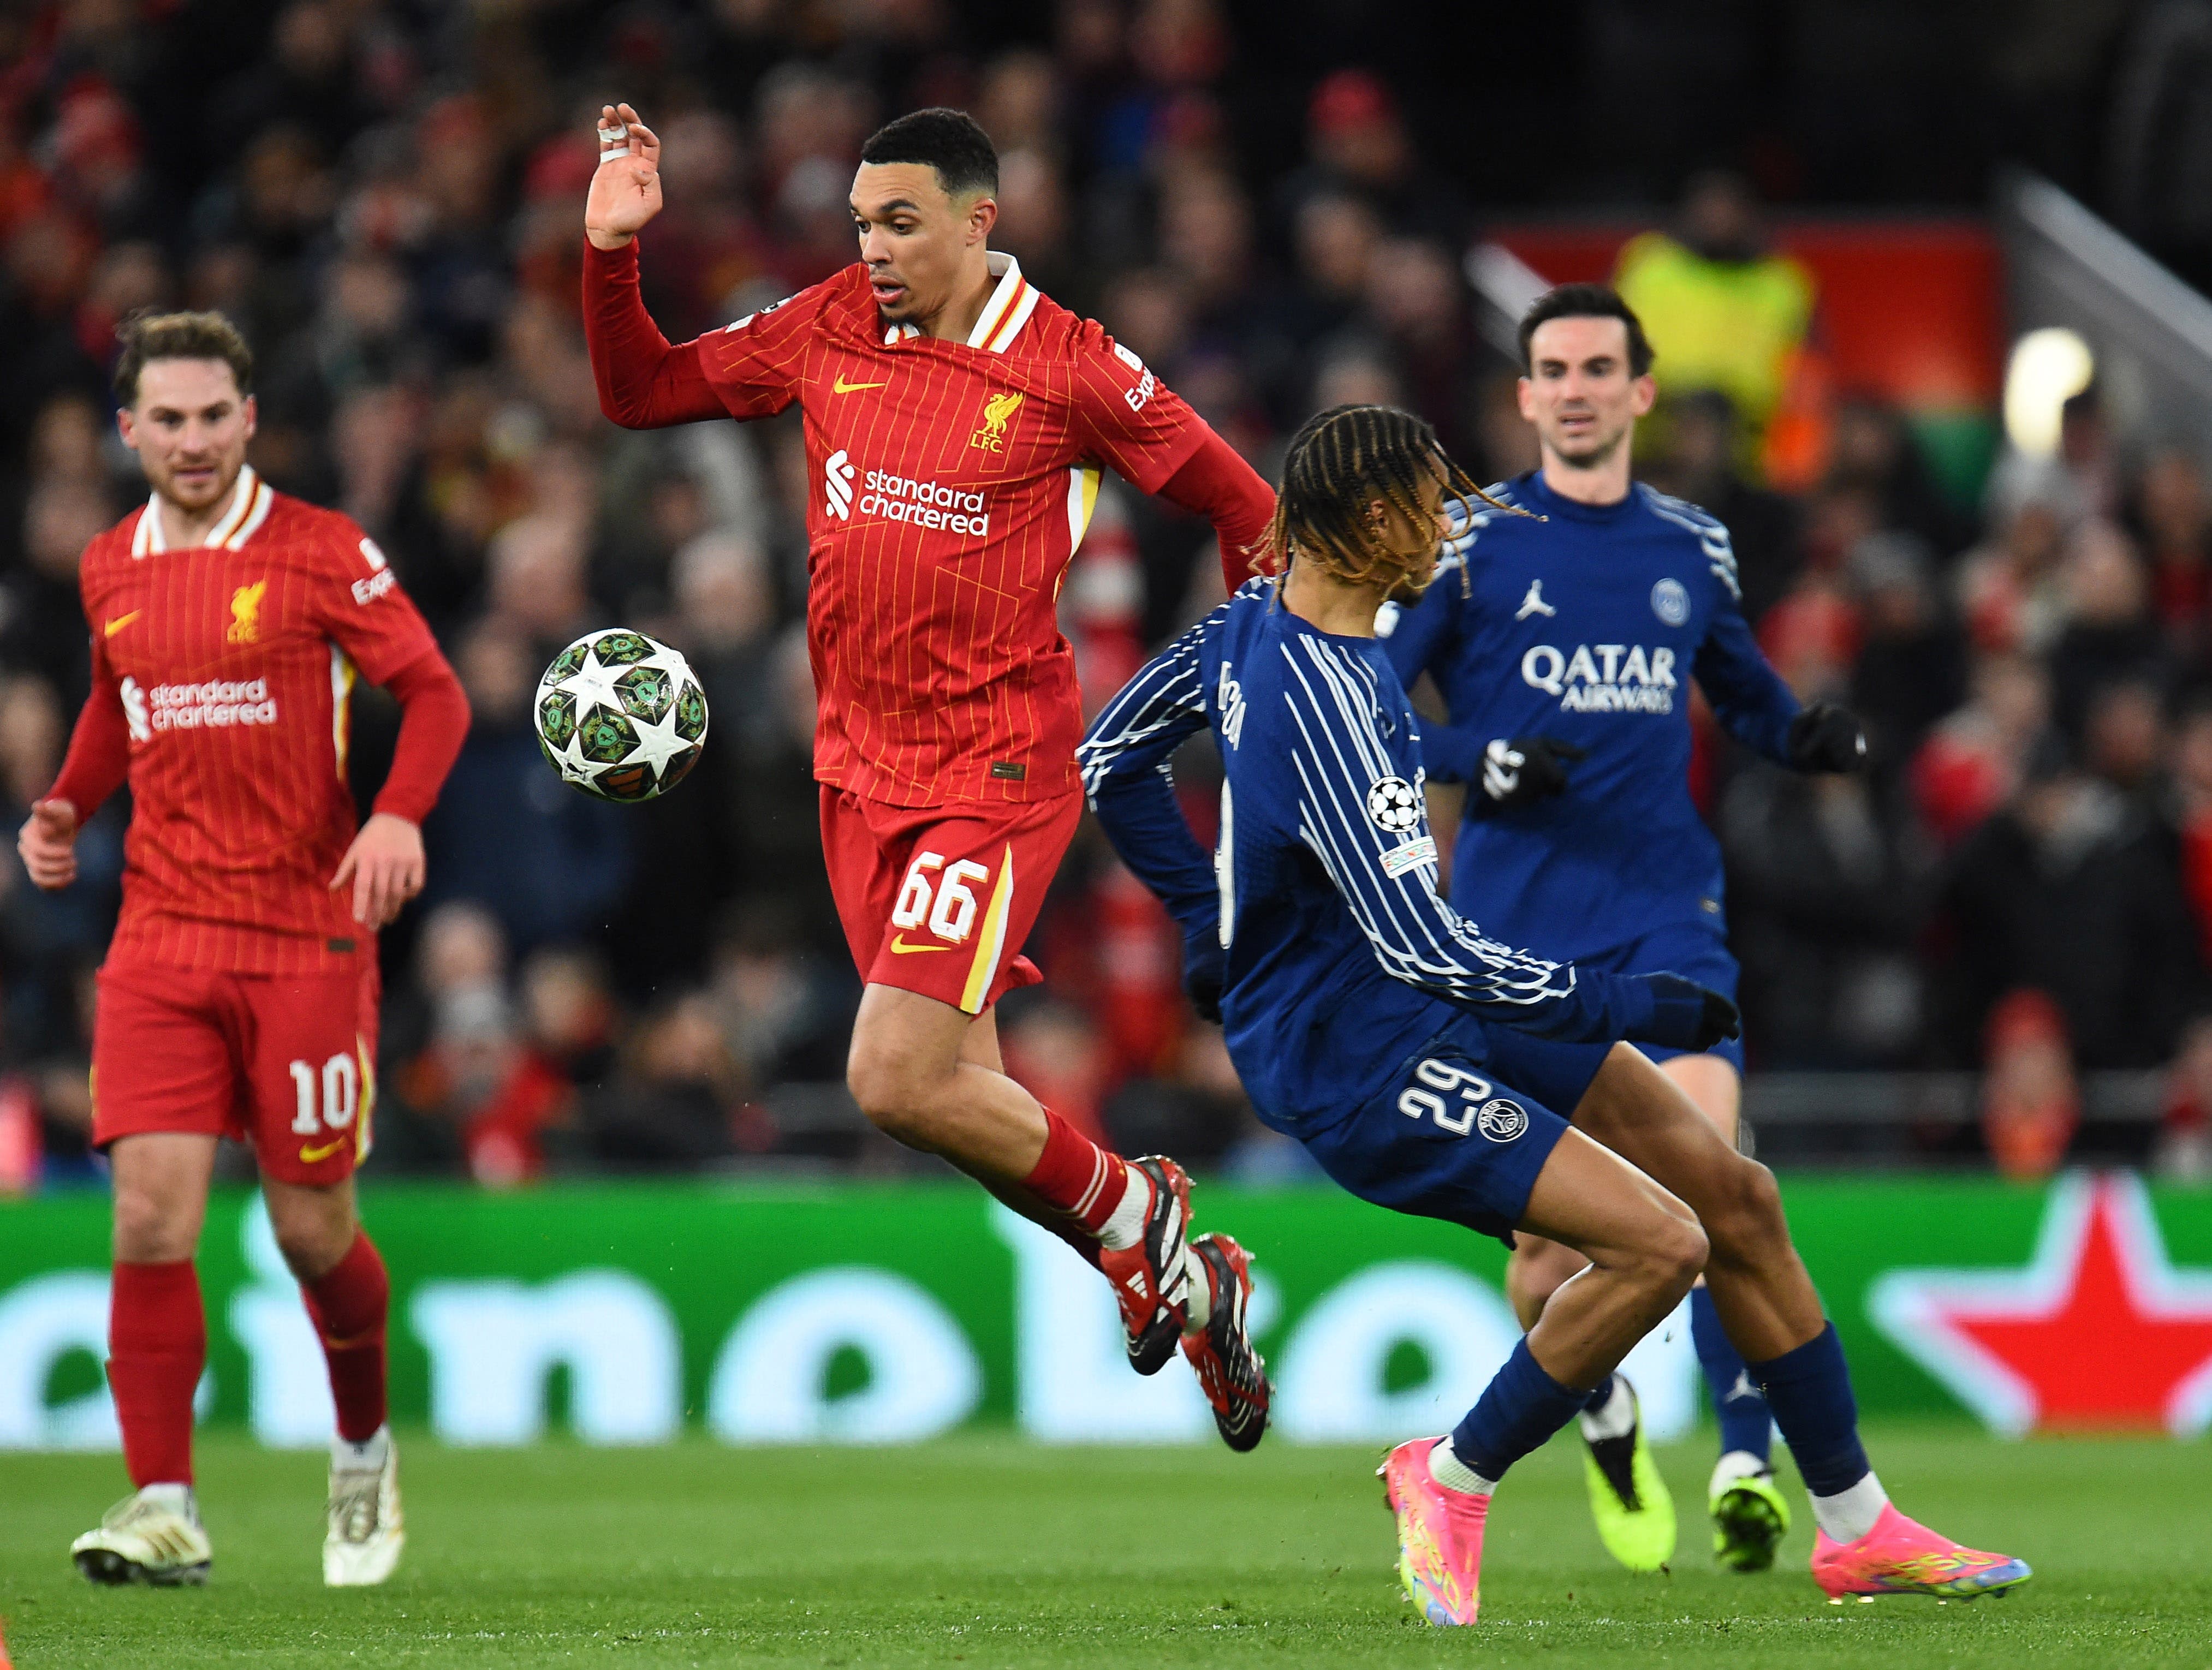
(2108, 634)
(1722, 310)
(1910, 670)
(673, 1102)
(2008, 587)
(2176, 520)
(1699, 461)
(1357, 144)
(2077, 891)
(2031, 1102)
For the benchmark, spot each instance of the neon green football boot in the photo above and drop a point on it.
(1750, 1517)
(1628, 1499)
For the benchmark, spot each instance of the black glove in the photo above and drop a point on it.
(1685, 1015)
(1205, 966)
(1825, 736)
(1527, 769)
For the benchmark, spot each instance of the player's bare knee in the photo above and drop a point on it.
(888, 1093)
(1746, 1221)
(150, 1228)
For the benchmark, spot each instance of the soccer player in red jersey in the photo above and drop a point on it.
(956, 424)
(238, 997)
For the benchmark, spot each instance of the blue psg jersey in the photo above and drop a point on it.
(1341, 957)
(1588, 626)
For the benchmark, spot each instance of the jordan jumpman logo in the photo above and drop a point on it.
(1533, 604)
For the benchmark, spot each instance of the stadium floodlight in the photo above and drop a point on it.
(2048, 367)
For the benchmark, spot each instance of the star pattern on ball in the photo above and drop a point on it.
(632, 756)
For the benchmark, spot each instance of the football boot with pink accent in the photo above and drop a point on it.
(1902, 1557)
(1439, 1535)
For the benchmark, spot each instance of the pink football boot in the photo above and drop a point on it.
(1902, 1557)
(1439, 1535)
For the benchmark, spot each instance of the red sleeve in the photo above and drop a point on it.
(361, 609)
(434, 722)
(644, 384)
(1127, 416)
(1216, 483)
(99, 756)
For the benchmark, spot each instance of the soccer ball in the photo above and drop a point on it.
(621, 715)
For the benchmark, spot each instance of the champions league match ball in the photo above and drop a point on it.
(621, 715)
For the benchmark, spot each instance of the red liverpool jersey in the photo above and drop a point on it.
(950, 485)
(233, 662)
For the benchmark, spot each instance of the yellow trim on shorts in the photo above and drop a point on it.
(985, 968)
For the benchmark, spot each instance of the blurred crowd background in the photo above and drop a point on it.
(388, 194)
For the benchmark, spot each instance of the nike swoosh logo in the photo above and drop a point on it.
(122, 620)
(900, 948)
(841, 386)
(309, 1156)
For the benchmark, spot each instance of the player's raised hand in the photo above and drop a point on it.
(384, 867)
(626, 191)
(48, 842)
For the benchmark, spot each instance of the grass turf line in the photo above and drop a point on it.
(990, 1552)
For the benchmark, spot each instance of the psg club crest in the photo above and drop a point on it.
(1670, 602)
(2099, 1333)
(1394, 805)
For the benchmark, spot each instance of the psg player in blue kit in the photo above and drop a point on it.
(1431, 1070)
(1565, 650)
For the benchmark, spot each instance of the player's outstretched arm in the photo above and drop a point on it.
(1124, 760)
(643, 382)
(1217, 483)
(1368, 828)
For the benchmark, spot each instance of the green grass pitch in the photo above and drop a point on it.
(989, 1551)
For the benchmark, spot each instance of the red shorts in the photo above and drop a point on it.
(284, 1061)
(939, 900)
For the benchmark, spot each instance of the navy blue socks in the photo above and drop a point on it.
(1809, 1390)
(1521, 1408)
(1746, 1423)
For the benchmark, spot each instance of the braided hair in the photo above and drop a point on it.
(1339, 463)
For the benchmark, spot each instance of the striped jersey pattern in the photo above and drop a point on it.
(1341, 959)
(233, 663)
(948, 486)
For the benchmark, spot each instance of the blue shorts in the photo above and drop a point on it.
(1465, 1123)
(1688, 949)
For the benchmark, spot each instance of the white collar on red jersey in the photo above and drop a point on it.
(249, 508)
(1011, 302)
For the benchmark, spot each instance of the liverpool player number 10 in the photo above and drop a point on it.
(238, 997)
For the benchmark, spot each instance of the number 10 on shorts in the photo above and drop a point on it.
(339, 1085)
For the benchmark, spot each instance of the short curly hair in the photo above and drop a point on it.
(150, 336)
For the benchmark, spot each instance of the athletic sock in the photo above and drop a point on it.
(348, 1305)
(157, 1349)
(367, 1456)
(1809, 1390)
(1612, 1415)
(1850, 1515)
(1454, 1474)
(1520, 1408)
(179, 1499)
(1076, 1177)
(1746, 1424)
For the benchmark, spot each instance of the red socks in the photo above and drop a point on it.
(156, 1348)
(348, 1305)
(1076, 1176)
